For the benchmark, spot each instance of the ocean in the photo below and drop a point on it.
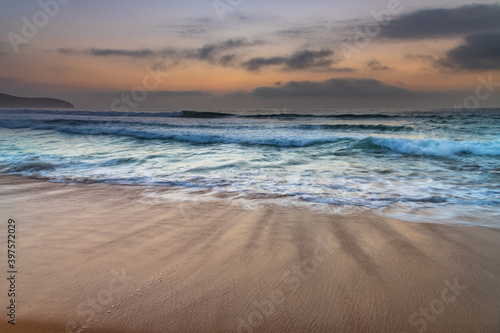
(421, 166)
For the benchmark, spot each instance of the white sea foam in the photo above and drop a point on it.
(440, 147)
(421, 165)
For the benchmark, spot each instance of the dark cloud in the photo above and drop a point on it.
(334, 88)
(69, 51)
(209, 51)
(375, 65)
(439, 23)
(213, 53)
(237, 95)
(304, 59)
(341, 70)
(159, 66)
(140, 53)
(206, 51)
(256, 64)
(121, 53)
(307, 59)
(479, 52)
(424, 57)
(227, 60)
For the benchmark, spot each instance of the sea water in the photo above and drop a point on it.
(422, 166)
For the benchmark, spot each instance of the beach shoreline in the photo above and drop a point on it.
(98, 258)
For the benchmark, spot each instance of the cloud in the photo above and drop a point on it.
(69, 51)
(121, 53)
(442, 23)
(256, 64)
(227, 59)
(304, 59)
(184, 30)
(334, 88)
(303, 32)
(340, 70)
(237, 95)
(95, 52)
(423, 57)
(213, 53)
(479, 52)
(375, 65)
(208, 51)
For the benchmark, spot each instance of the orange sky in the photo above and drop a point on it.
(86, 57)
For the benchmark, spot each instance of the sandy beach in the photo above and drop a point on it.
(100, 258)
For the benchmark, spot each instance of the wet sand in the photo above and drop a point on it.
(100, 258)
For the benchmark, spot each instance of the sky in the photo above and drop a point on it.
(223, 54)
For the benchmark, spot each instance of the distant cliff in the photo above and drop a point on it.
(9, 101)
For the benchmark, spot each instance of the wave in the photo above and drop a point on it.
(182, 133)
(26, 166)
(247, 114)
(195, 134)
(207, 138)
(173, 114)
(299, 116)
(358, 127)
(435, 147)
(53, 124)
(286, 136)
